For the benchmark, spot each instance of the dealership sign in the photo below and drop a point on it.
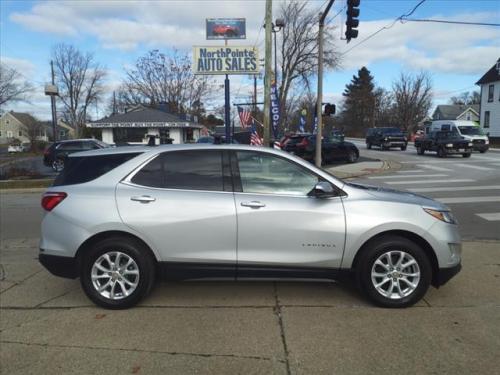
(226, 28)
(225, 60)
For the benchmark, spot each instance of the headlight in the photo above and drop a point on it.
(469, 144)
(385, 139)
(449, 145)
(487, 142)
(445, 216)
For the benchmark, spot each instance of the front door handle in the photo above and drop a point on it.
(253, 204)
(143, 199)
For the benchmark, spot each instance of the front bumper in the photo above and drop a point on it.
(480, 147)
(395, 144)
(455, 150)
(59, 266)
(445, 274)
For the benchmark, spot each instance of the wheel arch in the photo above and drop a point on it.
(426, 247)
(109, 234)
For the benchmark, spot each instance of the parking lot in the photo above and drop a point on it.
(49, 326)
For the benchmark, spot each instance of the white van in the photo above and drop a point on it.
(467, 129)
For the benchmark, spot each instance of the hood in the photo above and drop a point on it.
(392, 195)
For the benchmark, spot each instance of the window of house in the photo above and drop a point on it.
(9, 134)
(486, 119)
(468, 115)
(20, 133)
(491, 90)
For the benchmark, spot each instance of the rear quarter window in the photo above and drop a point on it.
(78, 170)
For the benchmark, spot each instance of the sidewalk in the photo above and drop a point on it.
(362, 168)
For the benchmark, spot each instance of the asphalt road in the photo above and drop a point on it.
(469, 186)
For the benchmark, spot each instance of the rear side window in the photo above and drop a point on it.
(184, 170)
(78, 170)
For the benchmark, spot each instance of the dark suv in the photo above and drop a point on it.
(55, 154)
(385, 138)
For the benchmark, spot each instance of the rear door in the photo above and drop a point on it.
(182, 203)
(278, 223)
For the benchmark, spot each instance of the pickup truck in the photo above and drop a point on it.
(444, 143)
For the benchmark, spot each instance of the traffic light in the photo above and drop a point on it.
(352, 21)
(329, 109)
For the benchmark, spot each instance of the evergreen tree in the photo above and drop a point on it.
(359, 104)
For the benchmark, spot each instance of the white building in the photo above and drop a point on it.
(141, 122)
(490, 101)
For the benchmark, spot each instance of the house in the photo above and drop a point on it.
(140, 122)
(21, 126)
(490, 101)
(64, 131)
(457, 112)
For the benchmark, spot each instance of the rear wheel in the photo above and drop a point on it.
(352, 156)
(369, 146)
(58, 165)
(420, 150)
(394, 272)
(403, 148)
(117, 273)
(482, 151)
(441, 153)
(466, 155)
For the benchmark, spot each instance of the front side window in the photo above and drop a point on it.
(268, 174)
(184, 170)
(491, 90)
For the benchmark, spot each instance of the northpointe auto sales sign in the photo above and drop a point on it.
(225, 60)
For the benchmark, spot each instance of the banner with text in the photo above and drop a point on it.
(225, 60)
(275, 109)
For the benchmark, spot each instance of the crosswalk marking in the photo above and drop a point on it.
(485, 158)
(434, 168)
(405, 176)
(454, 188)
(474, 167)
(426, 182)
(455, 200)
(495, 216)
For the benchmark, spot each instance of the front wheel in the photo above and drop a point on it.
(394, 272)
(441, 153)
(420, 150)
(369, 146)
(352, 157)
(117, 273)
(466, 155)
(58, 165)
(403, 148)
(482, 151)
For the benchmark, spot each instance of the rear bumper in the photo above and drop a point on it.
(445, 274)
(59, 266)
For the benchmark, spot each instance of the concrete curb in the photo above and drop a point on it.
(23, 191)
(387, 165)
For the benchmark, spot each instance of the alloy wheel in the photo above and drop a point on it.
(115, 275)
(395, 274)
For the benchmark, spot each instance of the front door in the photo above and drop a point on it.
(182, 204)
(278, 223)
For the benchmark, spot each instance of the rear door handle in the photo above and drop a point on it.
(143, 199)
(253, 204)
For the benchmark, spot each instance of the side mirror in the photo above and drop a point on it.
(323, 189)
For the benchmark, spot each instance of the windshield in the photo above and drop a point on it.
(471, 130)
(392, 131)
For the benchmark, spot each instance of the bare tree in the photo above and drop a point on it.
(161, 78)
(412, 98)
(80, 81)
(13, 87)
(299, 48)
(467, 98)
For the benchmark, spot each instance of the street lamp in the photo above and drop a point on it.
(276, 27)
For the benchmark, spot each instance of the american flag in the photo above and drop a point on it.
(245, 117)
(255, 139)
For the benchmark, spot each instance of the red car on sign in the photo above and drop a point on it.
(225, 30)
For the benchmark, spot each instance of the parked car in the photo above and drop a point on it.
(119, 217)
(15, 148)
(385, 138)
(55, 155)
(295, 143)
(444, 143)
(332, 149)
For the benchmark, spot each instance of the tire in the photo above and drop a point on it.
(352, 157)
(482, 151)
(369, 146)
(441, 153)
(420, 150)
(387, 294)
(58, 165)
(466, 155)
(138, 277)
(403, 148)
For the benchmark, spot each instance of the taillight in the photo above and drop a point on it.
(303, 143)
(52, 199)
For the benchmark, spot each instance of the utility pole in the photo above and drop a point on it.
(53, 105)
(267, 77)
(319, 105)
(227, 109)
(254, 93)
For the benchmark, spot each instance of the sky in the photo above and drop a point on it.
(118, 32)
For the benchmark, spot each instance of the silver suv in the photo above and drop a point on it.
(118, 218)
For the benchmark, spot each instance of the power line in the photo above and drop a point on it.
(400, 18)
(453, 22)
